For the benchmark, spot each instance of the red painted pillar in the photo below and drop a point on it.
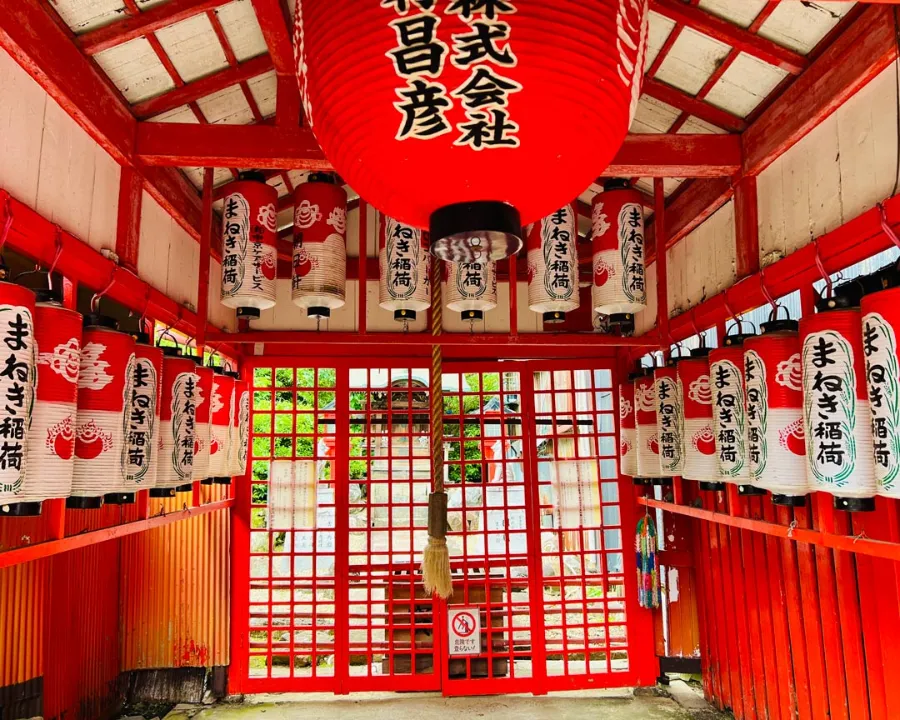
(746, 221)
(662, 279)
(363, 274)
(128, 226)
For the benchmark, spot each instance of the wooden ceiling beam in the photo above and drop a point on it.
(149, 21)
(193, 91)
(277, 34)
(693, 105)
(730, 34)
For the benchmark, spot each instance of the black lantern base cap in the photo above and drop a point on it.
(97, 320)
(119, 498)
(223, 481)
(250, 313)
(553, 318)
(750, 490)
(642, 481)
(47, 295)
(22, 509)
(84, 503)
(472, 315)
(141, 337)
(789, 500)
(463, 232)
(712, 486)
(187, 487)
(854, 504)
(661, 481)
(319, 313)
(207, 481)
(162, 492)
(405, 315)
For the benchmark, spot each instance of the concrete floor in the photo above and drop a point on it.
(565, 706)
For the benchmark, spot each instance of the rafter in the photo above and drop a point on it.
(692, 105)
(274, 26)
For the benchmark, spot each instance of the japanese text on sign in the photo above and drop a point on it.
(471, 278)
(631, 244)
(235, 237)
(464, 631)
(558, 237)
(730, 417)
(757, 413)
(671, 424)
(883, 376)
(403, 253)
(140, 419)
(184, 414)
(17, 387)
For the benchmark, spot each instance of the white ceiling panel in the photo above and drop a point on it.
(658, 33)
(182, 114)
(696, 126)
(264, 88)
(135, 69)
(801, 25)
(744, 85)
(690, 62)
(653, 116)
(193, 47)
(738, 12)
(84, 15)
(242, 29)
(226, 107)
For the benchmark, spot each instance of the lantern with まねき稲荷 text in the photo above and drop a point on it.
(240, 439)
(627, 443)
(404, 265)
(319, 274)
(472, 288)
(836, 419)
(249, 254)
(618, 289)
(177, 424)
(669, 420)
(776, 446)
(472, 97)
(220, 432)
(700, 460)
(553, 265)
(142, 438)
(18, 384)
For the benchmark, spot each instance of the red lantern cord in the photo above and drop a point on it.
(886, 226)
(821, 267)
(95, 300)
(765, 291)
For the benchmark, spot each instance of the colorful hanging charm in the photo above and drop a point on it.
(647, 559)
(405, 265)
(553, 265)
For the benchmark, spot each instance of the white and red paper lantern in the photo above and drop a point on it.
(700, 459)
(203, 422)
(249, 251)
(220, 434)
(776, 446)
(142, 439)
(320, 246)
(472, 288)
(627, 440)
(836, 417)
(553, 265)
(405, 268)
(619, 286)
(241, 428)
(648, 460)
(177, 416)
(18, 353)
(881, 321)
(729, 410)
(437, 111)
(105, 378)
(669, 420)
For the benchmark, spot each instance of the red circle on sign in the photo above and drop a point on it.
(464, 624)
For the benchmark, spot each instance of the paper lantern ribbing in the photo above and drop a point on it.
(700, 459)
(464, 99)
(553, 265)
(177, 418)
(234, 430)
(105, 378)
(627, 449)
(405, 268)
(649, 466)
(472, 288)
(249, 253)
(222, 404)
(726, 376)
(320, 246)
(776, 446)
(18, 351)
(141, 456)
(881, 319)
(203, 422)
(669, 420)
(241, 428)
(618, 289)
(836, 418)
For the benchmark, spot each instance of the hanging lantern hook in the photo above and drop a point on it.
(95, 300)
(886, 226)
(732, 314)
(697, 331)
(143, 318)
(829, 284)
(767, 294)
(57, 241)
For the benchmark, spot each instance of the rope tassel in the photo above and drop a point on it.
(436, 558)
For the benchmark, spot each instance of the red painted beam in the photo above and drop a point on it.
(193, 91)
(692, 105)
(206, 232)
(730, 34)
(662, 265)
(274, 26)
(746, 221)
(149, 21)
(857, 55)
(128, 223)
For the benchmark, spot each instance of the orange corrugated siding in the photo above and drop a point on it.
(23, 591)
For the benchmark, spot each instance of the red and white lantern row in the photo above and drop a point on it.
(249, 252)
(700, 459)
(649, 466)
(18, 351)
(837, 422)
(669, 420)
(105, 379)
(628, 440)
(220, 434)
(405, 266)
(617, 228)
(203, 422)
(141, 456)
(553, 265)
(320, 246)
(462, 91)
(729, 410)
(472, 288)
(178, 416)
(241, 428)
(776, 447)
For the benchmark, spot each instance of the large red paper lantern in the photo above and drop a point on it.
(627, 440)
(249, 252)
(320, 246)
(776, 448)
(405, 268)
(553, 265)
(222, 409)
(177, 415)
(436, 111)
(836, 417)
(141, 456)
(203, 422)
(700, 460)
(18, 350)
(105, 377)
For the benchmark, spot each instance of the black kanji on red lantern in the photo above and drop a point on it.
(482, 43)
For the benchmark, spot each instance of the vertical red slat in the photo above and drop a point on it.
(889, 602)
(723, 621)
(342, 531)
(362, 281)
(662, 278)
(128, 224)
(746, 222)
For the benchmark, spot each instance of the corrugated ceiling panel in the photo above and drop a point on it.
(744, 85)
(193, 47)
(242, 29)
(692, 59)
(135, 69)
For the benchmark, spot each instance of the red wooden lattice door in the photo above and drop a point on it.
(331, 523)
